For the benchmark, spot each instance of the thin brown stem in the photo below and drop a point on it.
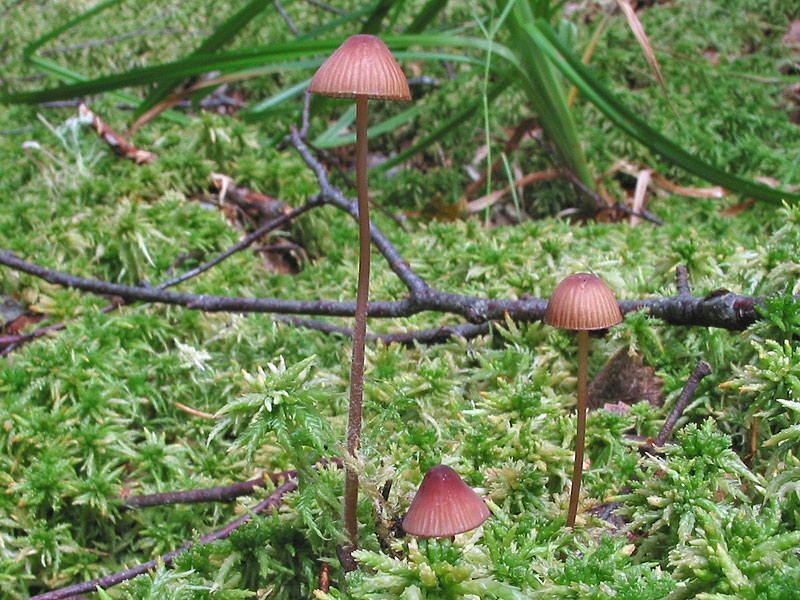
(580, 438)
(360, 328)
(701, 370)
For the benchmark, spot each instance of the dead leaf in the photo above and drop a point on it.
(711, 55)
(732, 211)
(641, 37)
(260, 207)
(538, 177)
(10, 310)
(642, 182)
(625, 379)
(792, 36)
(115, 141)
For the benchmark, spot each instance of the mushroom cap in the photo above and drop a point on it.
(582, 301)
(362, 65)
(444, 506)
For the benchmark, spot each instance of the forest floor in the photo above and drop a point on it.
(105, 398)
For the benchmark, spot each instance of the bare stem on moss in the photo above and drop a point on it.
(360, 328)
(580, 440)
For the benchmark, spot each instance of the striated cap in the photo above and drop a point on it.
(582, 301)
(444, 506)
(362, 65)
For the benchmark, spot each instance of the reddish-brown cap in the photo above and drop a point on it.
(362, 65)
(582, 301)
(444, 506)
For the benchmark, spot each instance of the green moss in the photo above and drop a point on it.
(93, 412)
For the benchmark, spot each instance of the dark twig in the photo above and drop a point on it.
(642, 214)
(243, 243)
(271, 501)
(286, 17)
(219, 494)
(328, 7)
(15, 340)
(701, 370)
(415, 284)
(724, 310)
(181, 258)
(303, 133)
(682, 281)
(222, 493)
(720, 308)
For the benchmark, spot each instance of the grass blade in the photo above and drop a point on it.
(546, 95)
(426, 16)
(38, 43)
(641, 37)
(55, 70)
(456, 121)
(373, 24)
(211, 44)
(572, 68)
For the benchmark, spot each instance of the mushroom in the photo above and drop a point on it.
(361, 68)
(581, 302)
(444, 506)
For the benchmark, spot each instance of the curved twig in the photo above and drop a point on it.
(271, 501)
(222, 493)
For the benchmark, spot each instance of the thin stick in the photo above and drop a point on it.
(243, 243)
(222, 493)
(701, 370)
(286, 17)
(111, 580)
(580, 439)
(724, 310)
(192, 411)
(682, 281)
(360, 328)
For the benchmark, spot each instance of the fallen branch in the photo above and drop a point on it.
(700, 371)
(271, 501)
(222, 493)
(216, 494)
(422, 336)
(719, 308)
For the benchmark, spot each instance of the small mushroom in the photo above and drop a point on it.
(581, 302)
(444, 506)
(361, 68)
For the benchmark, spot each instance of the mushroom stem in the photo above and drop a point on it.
(360, 328)
(580, 441)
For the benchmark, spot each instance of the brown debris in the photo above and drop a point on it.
(260, 207)
(792, 36)
(116, 142)
(626, 380)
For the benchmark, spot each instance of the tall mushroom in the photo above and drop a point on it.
(581, 302)
(361, 68)
(444, 506)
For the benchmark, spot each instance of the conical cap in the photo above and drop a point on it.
(362, 65)
(444, 506)
(582, 301)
